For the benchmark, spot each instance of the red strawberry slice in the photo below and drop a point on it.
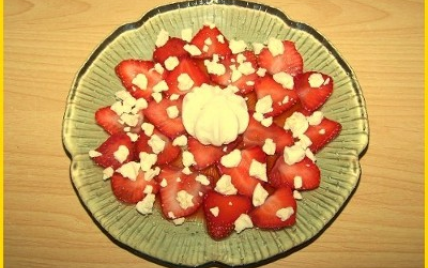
(206, 155)
(202, 67)
(282, 98)
(127, 70)
(240, 176)
(290, 61)
(157, 114)
(278, 211)
(110, 121)
(251, 100)
(185, 76)
(271, 160)
(221, 212)
(129, 191)
(182, 195)
(246, 82)
(211, 171)
(256, 134)
(322, 134)
(312, 98)
(297, 107)
(283, 174)
(214, 46)
(169, 153)
(118, 144)
(174, 47)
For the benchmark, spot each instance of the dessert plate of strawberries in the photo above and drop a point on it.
(212, 132)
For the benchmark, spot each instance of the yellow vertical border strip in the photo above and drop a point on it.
(2, 133)
(426, 131)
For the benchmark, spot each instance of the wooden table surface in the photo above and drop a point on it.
(46, 42)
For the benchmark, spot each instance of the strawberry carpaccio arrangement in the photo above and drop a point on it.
(218, 128)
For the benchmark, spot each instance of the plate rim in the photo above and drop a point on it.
(359, 152)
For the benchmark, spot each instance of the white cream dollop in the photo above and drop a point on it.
(213, 115)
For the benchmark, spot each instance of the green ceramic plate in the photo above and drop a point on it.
(189, 245)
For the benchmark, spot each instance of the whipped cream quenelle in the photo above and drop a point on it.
(213, 115)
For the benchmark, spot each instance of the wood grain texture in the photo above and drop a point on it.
(46, 42)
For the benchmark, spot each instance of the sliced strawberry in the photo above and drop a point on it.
(157, 114)
(118, 144)
(129, 191)
(241, 179)
(110, 121)
(251, 100)
(187, 68)
(214, 46)
(169, 153)
(314, 97)
(221, 212)
(206, 155)
(297, 107)
(290, 61)
(322, 134)
(128, 70)
(280, 204)
(282, 98)
(256, 134)
(283, 174)
(179, 188)
(200, 63)
(211, 171)
(246, 82)
(174, 47)
(271, 160)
